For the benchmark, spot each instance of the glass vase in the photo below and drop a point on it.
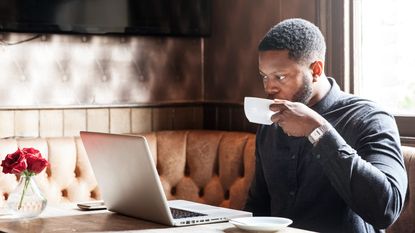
(26, 200)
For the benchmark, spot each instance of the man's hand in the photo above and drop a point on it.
(296, 119)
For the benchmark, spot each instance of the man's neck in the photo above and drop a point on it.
(321, 88)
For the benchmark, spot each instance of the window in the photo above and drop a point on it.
(384, 57)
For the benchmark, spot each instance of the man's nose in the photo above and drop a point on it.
(272, 86)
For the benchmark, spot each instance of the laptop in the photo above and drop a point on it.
(130, 185)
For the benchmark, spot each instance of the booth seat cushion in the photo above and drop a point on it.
(213, 167)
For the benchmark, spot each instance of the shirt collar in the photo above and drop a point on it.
(329, 99)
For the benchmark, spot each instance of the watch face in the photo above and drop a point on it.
(317, 134)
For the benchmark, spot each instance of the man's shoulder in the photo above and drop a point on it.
(350, 101)
(360, 114)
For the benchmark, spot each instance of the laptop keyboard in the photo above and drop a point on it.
(178, 213)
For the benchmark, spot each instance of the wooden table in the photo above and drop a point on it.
(72, 220)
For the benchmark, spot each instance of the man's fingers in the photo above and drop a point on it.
(277, 117)
(279, 105)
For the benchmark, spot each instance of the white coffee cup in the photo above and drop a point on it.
(257, 110)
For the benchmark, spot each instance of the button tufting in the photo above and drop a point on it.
(227, 195)
(77, 172)
(201, 192)
(173, 191)
(64, 192)
(93, 194)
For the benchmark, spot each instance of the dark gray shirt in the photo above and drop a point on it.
(353, 180)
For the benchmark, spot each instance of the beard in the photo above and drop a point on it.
(303, 95)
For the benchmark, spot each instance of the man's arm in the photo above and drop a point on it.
(370, 178)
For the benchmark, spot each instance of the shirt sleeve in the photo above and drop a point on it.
(258, 201)
(366, 167)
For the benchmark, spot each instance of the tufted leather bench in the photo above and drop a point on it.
(213, 167)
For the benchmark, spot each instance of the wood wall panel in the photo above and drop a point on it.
(305, 9)
(231, 59)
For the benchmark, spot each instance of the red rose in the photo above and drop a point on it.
(31, 151)
(27, 162)
(14, 163)
(35, 162)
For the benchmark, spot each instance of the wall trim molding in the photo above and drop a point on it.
(408, 141)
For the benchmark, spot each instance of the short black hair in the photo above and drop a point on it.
(303, 40)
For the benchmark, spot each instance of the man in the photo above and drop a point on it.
(331, 161)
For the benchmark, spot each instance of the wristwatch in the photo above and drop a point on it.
(315, 136)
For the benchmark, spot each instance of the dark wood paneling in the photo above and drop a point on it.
(176, 117)
(305, 9)
(209, 117)
(406, 125)
(237, 117)
(231, 59)
(188, 118)
(338, 44)
(226, 117)
(163, 118)
(408, 141)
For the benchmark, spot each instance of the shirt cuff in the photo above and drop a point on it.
(332, 145)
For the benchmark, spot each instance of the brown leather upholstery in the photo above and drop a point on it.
(406, 222)
(214, 167)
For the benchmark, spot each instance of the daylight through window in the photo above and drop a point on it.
(387, 54)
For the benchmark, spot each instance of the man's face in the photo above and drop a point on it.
(284, 78)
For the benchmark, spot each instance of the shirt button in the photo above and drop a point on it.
(318, 156)
(292, 156)
(292, 193)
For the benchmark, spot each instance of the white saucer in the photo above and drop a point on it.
(270, 224)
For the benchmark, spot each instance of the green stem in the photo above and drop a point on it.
(26, 184)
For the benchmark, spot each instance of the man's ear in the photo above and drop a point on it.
(317, 69)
